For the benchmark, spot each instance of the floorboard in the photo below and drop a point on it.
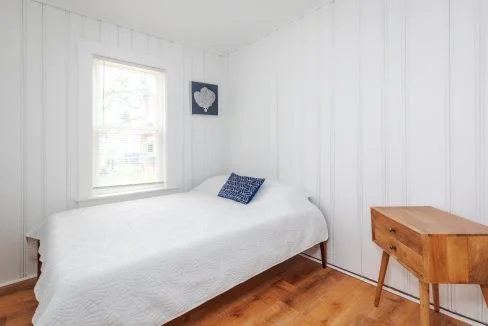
(296, 292)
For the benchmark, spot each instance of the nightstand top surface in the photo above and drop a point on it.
(429, 220)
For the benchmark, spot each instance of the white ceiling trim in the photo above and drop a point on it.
(218, 26)
(44, 3)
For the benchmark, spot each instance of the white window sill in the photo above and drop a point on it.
(103, 196)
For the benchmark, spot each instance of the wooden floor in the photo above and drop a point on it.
(297, 292)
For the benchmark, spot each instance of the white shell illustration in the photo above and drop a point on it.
(204, 98)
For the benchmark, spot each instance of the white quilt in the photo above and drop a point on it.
(145, 262)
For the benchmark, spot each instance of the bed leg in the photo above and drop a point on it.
(39, 263)
(323, 253)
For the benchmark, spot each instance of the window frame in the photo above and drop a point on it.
(87, 52)
(159, 130)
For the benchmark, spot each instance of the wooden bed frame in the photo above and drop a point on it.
(323, 254)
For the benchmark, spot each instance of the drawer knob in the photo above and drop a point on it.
(392, 247)
(392, 230)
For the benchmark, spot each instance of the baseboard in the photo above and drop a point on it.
(398, 292)
(25, 283)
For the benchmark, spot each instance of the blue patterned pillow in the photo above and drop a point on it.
(241, 189)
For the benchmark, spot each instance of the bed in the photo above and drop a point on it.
(148, 261)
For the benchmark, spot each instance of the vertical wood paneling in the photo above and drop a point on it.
(198, 123)
(326, 120)
(176, 103)
(427, 106)
(464, 141)
(285, 108)
(124, 37)
(154, 46)
(272, 104)
(237, 99)
(164, 49)
(11, 140)
(212, 124)
(261, 54)
(75, 36)
(310, 107)
(402, 118)
(187, 130)
(232, 74)
(93, 29)
(371, 141)
(242, 98)
(395, 115)
(187, 125)
(247, 104)
(108, 34)
(173, 100)
(140, 42)
(56, 92)
(346, 120)
(295, 134)
(231, 144)
(224, 112)
(427, 51)
(33, 212)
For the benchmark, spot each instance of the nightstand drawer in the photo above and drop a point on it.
(397, 231)
(403, 253)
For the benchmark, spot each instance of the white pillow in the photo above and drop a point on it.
(212, 185)
(270, 191)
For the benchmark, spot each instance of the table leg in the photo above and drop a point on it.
(484, 291)
(424, 303)
(381, 278)
(435, 294)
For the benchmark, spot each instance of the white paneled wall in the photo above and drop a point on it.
(362, 102)
(39, 115)
(371, 102)
(11, 135)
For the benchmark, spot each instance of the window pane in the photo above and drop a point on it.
(128, 96)
(127, 158)
(128, 115)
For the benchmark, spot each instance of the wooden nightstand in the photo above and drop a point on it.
(435, 246)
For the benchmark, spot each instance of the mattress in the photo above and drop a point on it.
(145, 262)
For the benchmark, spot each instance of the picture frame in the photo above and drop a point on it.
(204, 98)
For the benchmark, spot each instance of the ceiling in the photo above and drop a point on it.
(216, 25)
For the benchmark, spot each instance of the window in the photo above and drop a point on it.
(128, 119)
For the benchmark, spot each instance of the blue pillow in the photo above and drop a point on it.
(241, 189)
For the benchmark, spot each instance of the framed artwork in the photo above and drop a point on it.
(204, 98)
